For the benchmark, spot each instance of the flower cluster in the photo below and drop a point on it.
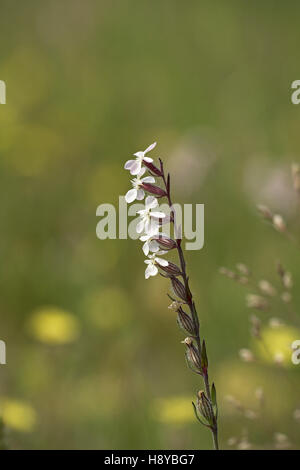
(149, 221)
(156, 244)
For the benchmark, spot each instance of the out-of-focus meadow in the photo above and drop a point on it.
(94, 358)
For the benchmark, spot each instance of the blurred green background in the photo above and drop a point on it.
(94, 358)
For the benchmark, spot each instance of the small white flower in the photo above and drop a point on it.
(135, 165)
(150, 244)
(153, 260)
(137, 192)
(149, 219)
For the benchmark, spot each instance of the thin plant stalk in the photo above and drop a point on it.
(192, 308)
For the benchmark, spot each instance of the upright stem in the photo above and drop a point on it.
(191, 304)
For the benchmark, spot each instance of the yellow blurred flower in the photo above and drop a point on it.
(173, 410)
(275, 345)
(53, 325)
(18, 415)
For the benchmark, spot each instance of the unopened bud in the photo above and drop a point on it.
(204, 407)
(174, 305)
(192, 354)
(243, 269)
(267, 288)
(279, 223)
(185, 322)
(171, 269)
(156, 190)
(287, 280)
(286, 277)
(226, 272)
(246, 355)
(165, 242)
(179, 288)
(257, 302)
(255, 326)
(152, 168)
(265, 212)
(188, 341)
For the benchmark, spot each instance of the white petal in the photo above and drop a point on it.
(144, 238)
(147, 227)
(149, 201)
(158, 215)
(148, 179)
(154, 228)
(130, 195)
(151, 270)
(162, 262)
(135, 168)
(139, 154)
(151, 147)
(146, 248)
(162, 252)
(153, 246)
(140, 194)
(147, 261)
(141, 172)
(140, 226)
(129, 164)
(148, 159)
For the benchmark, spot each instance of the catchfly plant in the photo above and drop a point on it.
(135, 165)
(156, 245)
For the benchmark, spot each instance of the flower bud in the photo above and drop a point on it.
(255, 326)
(279, 223)
(287, 280)
(286, 277)
(267, 288)
(165, 242)
(246, 355)
(156, 190)
(243, 269)
(226, 272)
(257, 302)
(265, 212)
(179, 288)
(192, 354)
(185, 322)
(174, 306)
(152, 168)
(188, 341)
(172, 269)
(204, 407)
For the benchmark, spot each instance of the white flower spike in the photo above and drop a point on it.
(135, 165)
(137, 192)
(152, 263)
(149, 219)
